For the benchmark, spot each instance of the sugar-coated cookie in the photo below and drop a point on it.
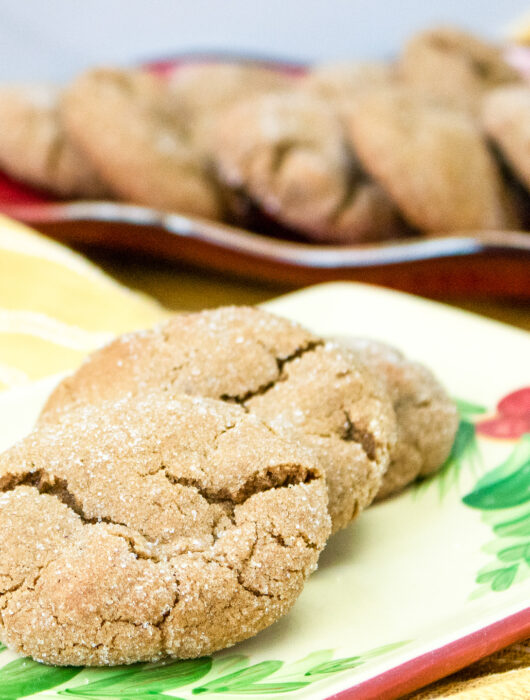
(151, 526)
(427, 418)
(302, 387)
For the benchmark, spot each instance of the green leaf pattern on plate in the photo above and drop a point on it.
(244, 678)
(206, 676)
(146, 679)
(503, 496)
(507, 485)
(502, 488)
(23, 677)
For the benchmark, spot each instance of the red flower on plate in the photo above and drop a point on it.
(512, 419)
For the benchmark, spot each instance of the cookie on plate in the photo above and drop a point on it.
(204, 90)
(287, 154)
(454, 66)
(131, 130)
(300, 386)
(153, 526)
(431, 159)
(35, 148)
(506, 120)
(427, 418)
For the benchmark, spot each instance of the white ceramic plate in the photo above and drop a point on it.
(420, 585)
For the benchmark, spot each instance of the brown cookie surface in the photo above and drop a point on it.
(432, 160)
(35, 148)
(454, 66)
(129, 127)
(153, 526)
(299, 385)
(203, 90)
(287, 154)
(427, 418)
(506, 119)
(346, 80)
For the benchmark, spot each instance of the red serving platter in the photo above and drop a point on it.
(471, 263)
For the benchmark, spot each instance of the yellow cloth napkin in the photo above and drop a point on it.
(55, 306)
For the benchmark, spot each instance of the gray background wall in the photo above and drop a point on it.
(53, 39)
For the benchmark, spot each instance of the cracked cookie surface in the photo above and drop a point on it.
(427, 418)
(303, 388)
(287, 154)
(131, 130)
(35, 148)
(152, 526)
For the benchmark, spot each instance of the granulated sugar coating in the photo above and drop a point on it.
(316, 393)
(229, 352)
(153, 525)
(427, 418)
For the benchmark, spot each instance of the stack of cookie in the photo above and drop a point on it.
(179, 487)
(437, 141)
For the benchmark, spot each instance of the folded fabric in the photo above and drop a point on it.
(55, 306)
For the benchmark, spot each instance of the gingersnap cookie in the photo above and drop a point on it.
(35, 148)
(153, 526)
(454, 66)
(427, 418)
(204, 90)
(302, 387)
(130, 129)
(431, 159)
(506, 120)
(345, 80)
(287, 154)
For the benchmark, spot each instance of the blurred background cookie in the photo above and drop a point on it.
(288, 155)
(506, 119)
(432, 160)
(35, 148)
(203, 90)
(343, 81)
(131, 130)
(455, 66)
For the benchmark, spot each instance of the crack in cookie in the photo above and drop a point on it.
(427, 418)
(301, 387)
(280, 476)
(281, 362)
(153, 525)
